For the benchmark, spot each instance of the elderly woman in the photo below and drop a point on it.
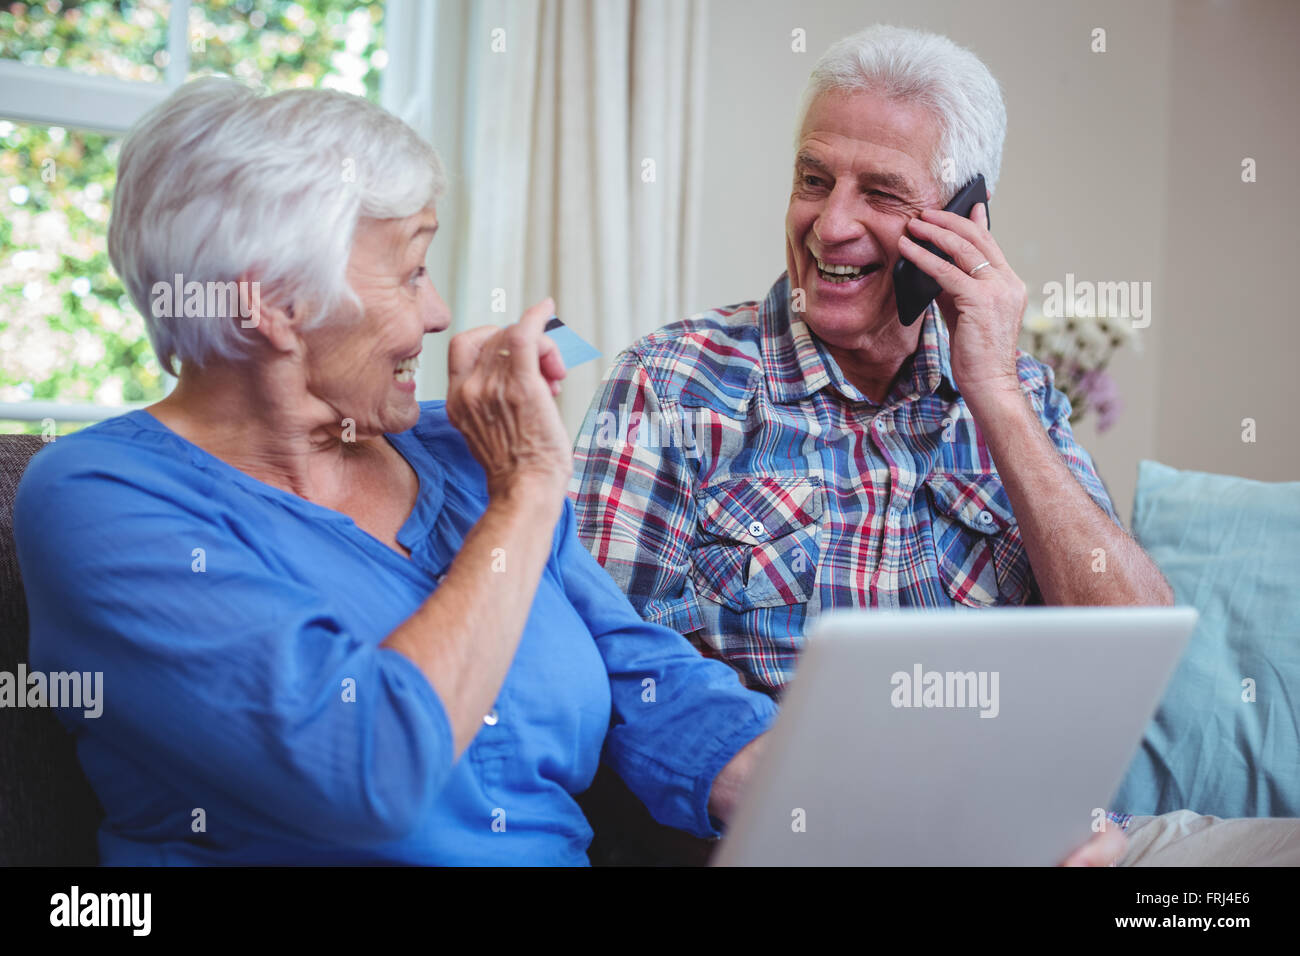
(336, 625)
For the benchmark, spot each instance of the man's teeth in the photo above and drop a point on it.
(406, 369)
(841, 273)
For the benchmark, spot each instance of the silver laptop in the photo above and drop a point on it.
(954, 738)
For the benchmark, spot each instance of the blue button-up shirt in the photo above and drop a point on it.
(249, 714)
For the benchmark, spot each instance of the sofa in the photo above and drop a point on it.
(48, 812)
(1224, 741)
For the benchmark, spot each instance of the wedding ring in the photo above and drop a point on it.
(979, 267)
(504, 353)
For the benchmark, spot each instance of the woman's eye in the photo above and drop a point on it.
(418, 274)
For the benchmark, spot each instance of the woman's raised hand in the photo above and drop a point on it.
(500, 395)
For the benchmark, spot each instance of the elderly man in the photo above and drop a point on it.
(750, 467)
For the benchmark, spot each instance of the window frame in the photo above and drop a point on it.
(56, 96)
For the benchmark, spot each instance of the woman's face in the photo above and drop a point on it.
(365, 368)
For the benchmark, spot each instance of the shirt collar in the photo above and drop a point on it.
(796, 363)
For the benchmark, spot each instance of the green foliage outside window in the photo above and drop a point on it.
(68, 332)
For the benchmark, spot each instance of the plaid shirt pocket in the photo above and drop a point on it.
(758, 542)
(980, 553)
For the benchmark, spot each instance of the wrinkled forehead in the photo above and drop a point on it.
(868, 172)
(870, 119)
(393, 237)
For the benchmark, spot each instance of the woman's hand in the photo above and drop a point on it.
(501, 398)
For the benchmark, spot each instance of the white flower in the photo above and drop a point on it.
(109, 392)
(1036, 321)
(88, 348)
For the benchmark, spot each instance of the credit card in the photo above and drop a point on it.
(573, 348)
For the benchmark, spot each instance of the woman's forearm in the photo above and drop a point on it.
(500, 397)
(733, 778)
(464, 636)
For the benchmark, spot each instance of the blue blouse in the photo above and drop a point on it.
(251, 717)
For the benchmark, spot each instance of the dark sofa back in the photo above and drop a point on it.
(48, 813)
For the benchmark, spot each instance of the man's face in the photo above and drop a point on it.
(861, 172)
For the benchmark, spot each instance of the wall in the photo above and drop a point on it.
(1232, 341)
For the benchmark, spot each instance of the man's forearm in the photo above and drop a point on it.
(1078, 554)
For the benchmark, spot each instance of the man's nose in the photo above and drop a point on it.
(837, 221)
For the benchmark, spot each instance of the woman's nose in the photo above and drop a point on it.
(437, 317)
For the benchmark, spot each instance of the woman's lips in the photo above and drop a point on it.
(404, 374)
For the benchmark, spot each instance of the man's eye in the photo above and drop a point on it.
(814, 181)
(883, 195)
(418, 274)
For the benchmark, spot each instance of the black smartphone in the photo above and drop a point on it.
(913, 289)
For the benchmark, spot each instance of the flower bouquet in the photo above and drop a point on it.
(1078, 348)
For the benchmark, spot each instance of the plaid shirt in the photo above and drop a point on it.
(735, 484)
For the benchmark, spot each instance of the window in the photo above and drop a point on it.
(74, 76)
(123, 40)
(68, 333)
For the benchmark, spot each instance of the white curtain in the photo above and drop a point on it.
(577, 167)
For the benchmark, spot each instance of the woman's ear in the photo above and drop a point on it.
(272, 317)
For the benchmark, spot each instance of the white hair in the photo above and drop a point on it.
(219, 182)
(933, 72)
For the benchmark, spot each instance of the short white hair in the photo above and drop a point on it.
(933, 72)
(218, 181)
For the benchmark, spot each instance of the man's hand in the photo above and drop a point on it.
(1104, 849)
(1063, 529)
(983, 310)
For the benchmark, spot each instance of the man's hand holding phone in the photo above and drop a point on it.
(914, 290)
(981, 297)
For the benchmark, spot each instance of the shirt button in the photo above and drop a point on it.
(757, 529)
(491, 719)
(986, 517)
(880, 424)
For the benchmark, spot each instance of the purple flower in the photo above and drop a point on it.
(1101, 394)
